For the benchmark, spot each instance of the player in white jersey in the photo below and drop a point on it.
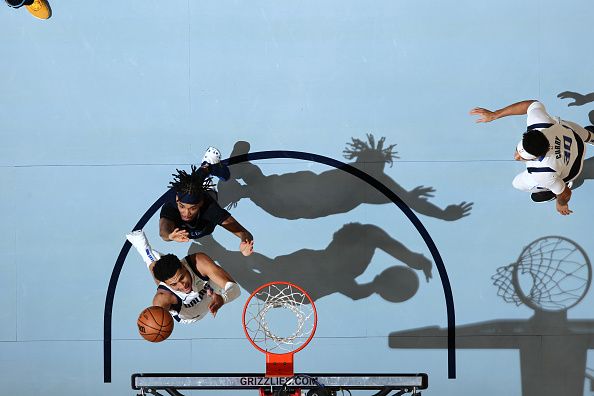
(187, 288)
(553, 150)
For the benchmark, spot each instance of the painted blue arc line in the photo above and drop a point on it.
(113, 281)
(262, 155)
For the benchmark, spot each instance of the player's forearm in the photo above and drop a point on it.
(234, 227)
(564, 197)
(518, 108)
(163, 300)
(165, 230)
(563, 201)
(245, 236)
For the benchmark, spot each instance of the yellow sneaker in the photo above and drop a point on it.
(40, 9)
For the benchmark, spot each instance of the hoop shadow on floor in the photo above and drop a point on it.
(552, 275)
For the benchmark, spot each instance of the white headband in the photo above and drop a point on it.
(523, 153)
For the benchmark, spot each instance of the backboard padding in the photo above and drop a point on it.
(256, 381)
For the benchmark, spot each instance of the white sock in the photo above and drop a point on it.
(139, 241)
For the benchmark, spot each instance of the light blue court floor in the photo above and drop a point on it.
(103, 101)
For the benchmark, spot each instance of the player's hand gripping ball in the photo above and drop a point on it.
(155, 324)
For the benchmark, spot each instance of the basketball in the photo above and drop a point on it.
(155, 324)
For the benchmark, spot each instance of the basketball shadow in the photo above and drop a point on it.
(307, 195)
(331, 270)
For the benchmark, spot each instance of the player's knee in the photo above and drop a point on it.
(518, 183)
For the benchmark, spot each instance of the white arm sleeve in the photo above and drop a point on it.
(143, 247)
(230, 292)
(537, 114)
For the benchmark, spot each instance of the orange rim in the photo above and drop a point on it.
(247, 303)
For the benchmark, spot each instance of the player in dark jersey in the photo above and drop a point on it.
(195, 213)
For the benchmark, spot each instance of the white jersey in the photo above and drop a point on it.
(191, 306)
(565, 157)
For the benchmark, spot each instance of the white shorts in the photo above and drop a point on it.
(524, 182)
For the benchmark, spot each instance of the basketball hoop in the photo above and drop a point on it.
(279, 337)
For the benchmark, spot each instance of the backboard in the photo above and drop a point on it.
(173, 383)
(280, 344)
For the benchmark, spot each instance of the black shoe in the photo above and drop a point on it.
(221, 171)
(543, 196)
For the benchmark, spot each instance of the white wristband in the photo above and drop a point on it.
(230, 292)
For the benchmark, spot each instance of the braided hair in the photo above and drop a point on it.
(194, 183)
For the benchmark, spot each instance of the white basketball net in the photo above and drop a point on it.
(273, 297)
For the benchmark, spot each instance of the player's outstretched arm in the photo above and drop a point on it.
(416, 199)
(246, 246)
(485, 115)
(562, 202)
(229, 290)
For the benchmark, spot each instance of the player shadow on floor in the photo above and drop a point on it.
(586, 174)
(308, 195)
(580, 100)
(331, 270)
(552, 275)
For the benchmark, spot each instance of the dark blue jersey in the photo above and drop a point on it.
(209, 216)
